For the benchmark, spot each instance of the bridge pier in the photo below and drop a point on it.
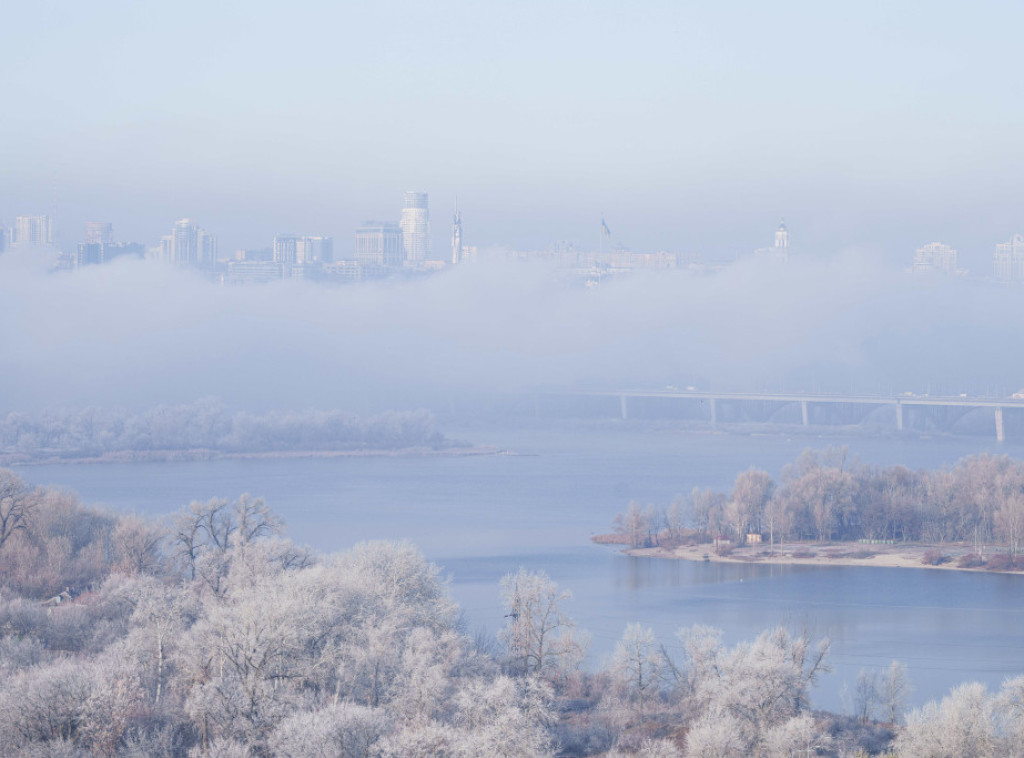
(1000, 437)
(714, 413)
(899, 416)
(803, 412)
(623, 410)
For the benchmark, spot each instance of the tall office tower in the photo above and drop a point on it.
(415, 225)
(314, 249)
(779, 252)
(3, 239)
(184, 243)
(457, 235)
(98, 232)
(32, 230)
(90, 253)
(1008, 260)
(189, 246)
(206, 248)
(285, 248)
(379, 244)
(935, 257)
(782, 236)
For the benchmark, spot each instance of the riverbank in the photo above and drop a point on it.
(947, 557)
(202, 454)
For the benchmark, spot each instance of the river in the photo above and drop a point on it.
(483, 517)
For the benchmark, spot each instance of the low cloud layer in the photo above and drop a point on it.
(134, 333)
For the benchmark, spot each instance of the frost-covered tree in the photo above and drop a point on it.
(506, 718)
(1009, 710)
(334, 731)
(539, 636)
(637, 667)
(650, 748)
(893, 689)
(866, 696)
(755, 687)
(16, 504)
(960, 725)
(799, 736)
(719, 736)
(44, 704)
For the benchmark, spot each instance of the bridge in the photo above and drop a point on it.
(813, 407)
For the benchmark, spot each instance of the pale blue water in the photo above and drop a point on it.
(482, 517)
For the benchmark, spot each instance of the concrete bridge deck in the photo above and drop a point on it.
(808, 400)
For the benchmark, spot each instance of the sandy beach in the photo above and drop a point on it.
(842, 554)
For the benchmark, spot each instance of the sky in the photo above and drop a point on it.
(690, 126)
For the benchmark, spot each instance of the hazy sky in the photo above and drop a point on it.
(690, 125)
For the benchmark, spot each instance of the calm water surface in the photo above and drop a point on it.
(482, 517)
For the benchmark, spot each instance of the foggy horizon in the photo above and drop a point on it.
(143, 333)
(691, 128)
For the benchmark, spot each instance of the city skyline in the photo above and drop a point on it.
(880, 143)
(378, 246)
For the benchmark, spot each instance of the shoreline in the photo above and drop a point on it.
(835, 554)
(202, 454)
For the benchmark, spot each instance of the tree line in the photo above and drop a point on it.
(829, 495)
(212, 634)
(209, 425)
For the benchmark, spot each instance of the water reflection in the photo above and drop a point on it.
(484, 517)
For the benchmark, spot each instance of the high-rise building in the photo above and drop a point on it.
(457, 235)
(290, 249)
(90, 253)
(98, 232)
(314, 249)
(380, 244)
(1008, 260)
(285, 248)
(189, 246)
(3, 239)
(782, 236)
(779, 251)
(935, 257)
(207, 246)
(415, 226)
(185, 243)
(32, 230)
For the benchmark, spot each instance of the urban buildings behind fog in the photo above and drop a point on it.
(314, 249)
(457, 235)
(380, 244)
(189, 246)
(1008, 260)
(291, 249)
(935, 258)
(98, 232)
(779, 251)
(32, 230)
(415, 226)
(92, 253)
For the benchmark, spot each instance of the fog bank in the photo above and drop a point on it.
(138, 334)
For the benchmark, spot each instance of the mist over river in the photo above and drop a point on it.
(484, 516)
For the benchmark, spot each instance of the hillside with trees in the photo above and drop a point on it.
(212, 634)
